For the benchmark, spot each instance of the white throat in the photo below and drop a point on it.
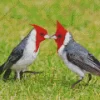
(66, 41)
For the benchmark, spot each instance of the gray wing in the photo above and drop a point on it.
(85, 61)
(16, 54)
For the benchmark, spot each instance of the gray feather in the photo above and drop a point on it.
(16, 53)
(79, 56)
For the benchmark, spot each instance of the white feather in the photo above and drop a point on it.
(62, 54)
(67, 38)
(28, 55)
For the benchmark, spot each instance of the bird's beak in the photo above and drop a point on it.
(53, 37)
(46, 36)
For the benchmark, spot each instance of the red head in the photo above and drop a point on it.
(41, 35)
(60, 34)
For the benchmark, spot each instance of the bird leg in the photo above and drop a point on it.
(77, 82)
(21, 75)
(6, 74)
(32, 72)
(17, 75)
(89, 78)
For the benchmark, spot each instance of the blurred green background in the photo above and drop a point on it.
(80, 17)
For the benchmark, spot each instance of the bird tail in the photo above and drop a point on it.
(1, 69)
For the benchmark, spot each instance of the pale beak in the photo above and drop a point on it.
(53, 37)
(46, 36)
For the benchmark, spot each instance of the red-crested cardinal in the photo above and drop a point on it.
(24, 53)
(75, 56)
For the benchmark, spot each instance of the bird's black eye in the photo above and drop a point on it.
(42, 34)
(59, 36)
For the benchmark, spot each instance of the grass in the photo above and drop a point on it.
(82, 18)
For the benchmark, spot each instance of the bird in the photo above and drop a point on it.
(76, 57)
(24, 53)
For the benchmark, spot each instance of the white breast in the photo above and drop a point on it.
(28, 55)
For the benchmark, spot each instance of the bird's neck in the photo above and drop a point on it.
(37, 44)
(33, 41)
(68, 40)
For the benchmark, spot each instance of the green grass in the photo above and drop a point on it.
(80, 17)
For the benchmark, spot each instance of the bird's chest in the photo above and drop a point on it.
(61, 52)
(63, 55)
(28, 57)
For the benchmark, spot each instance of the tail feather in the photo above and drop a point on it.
(1, 69)
(6, 74)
